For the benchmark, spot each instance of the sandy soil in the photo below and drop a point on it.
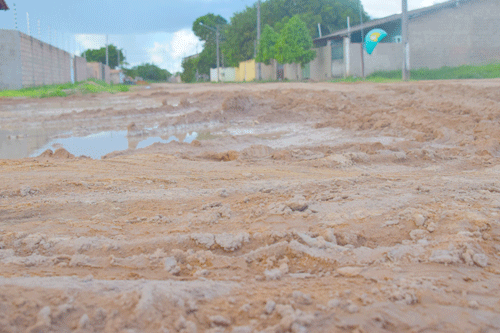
(302, 207)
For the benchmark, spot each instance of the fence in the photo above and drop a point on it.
(27, 62)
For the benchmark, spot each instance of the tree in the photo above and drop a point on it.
(267, 45)
(189, 70)
(210, 20)
(149, 72)
(241, 33)
(204, 27)
(100, 56)
(294, 44)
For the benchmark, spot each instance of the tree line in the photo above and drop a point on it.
(149, 72)
(288, 29)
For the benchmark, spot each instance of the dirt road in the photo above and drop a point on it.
(300, 207)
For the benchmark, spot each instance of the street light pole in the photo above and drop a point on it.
(362, 41)
(217, 37)
(259, 69)
(406, 45)
(217, 34)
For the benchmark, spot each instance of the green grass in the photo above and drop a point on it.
(62, 90)
(490, 71)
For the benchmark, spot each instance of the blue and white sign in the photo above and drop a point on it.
(373, 38)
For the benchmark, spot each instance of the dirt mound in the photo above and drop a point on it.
(62, 153)
(47, 154)
(257, 151)
(227, 156)
(132, 127)
(238, 104)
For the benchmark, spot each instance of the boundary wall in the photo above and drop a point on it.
(42, 63)
(27, 62)
(99, 71)
(80, 69)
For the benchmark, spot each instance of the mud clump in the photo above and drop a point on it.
(237, 104)
(132, 127)
(60, 153)
(47, 154)
(196, 143)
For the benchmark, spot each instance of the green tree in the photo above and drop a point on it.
(149, 72)
(100, 56)
(189, 70)
(210, 20)
(294, 44)
(203, 28)
(241, 33)
(267, 45)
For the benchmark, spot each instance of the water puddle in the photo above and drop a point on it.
(100, 144)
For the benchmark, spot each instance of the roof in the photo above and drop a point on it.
(411, 14)
(3, 5)
(188, 57)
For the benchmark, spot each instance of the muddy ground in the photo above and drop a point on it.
(301, 207)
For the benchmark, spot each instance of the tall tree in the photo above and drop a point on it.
(189, 69)
(294, 44)
(241, 33)
(100, 56)
(267, 45)
(204, 27)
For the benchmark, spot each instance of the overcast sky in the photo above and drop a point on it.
(148, 30)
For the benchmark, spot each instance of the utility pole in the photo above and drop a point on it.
(107, 55)
(118, 55)
(362, 41)
(348, 49)
(217, 34)
(259, 69)
(406, 44)
(217, 37)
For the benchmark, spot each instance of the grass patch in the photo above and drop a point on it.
(375, 79)
(62, 90)
(491, 71)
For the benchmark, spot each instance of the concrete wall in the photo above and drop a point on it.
(99, 71)
(466, 34)
(95, 70)
(26, 62)
(10, 60)
(80, 69)
(115, 76)
(227, 74)
(268, 72)
(385, 57)
(321, 66)
(106, 73)
(42, 63)
(292, 72)
(246, 71)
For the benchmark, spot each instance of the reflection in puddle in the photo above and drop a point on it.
(20, 144)
(100, 144)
